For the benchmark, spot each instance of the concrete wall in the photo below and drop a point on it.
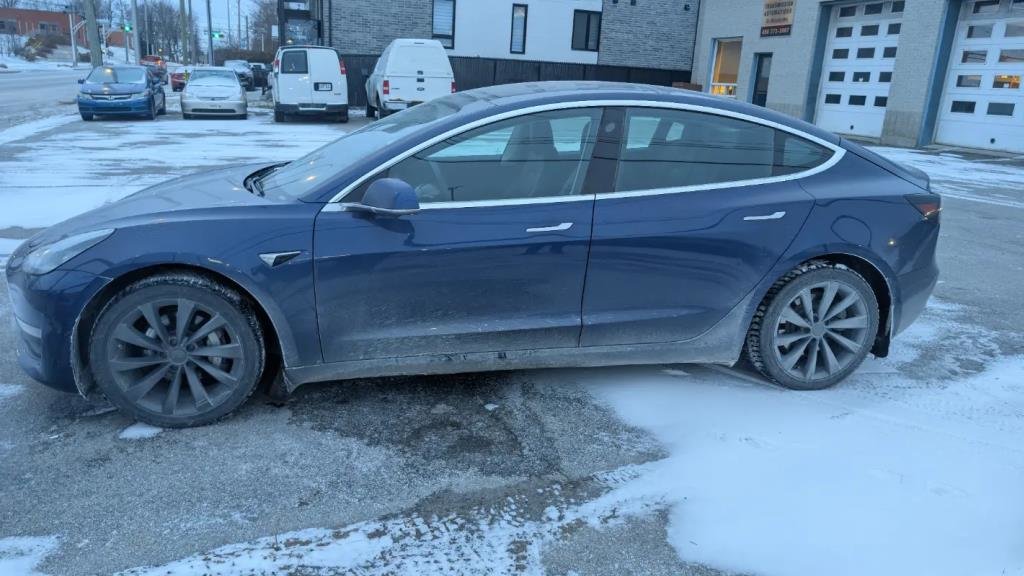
(652, 33)
(368, 26)
(792, 56)
(484, 27)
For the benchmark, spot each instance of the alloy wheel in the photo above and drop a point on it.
(821, 331)
(175, 357)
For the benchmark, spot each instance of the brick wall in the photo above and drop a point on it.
(368, 26)
(651, 33)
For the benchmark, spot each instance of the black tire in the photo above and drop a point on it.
(186, 116)
(828, 354)
(370, 110)
(382, 112)
(278, 116)
(214, 367)
(87, 117)
(343, 118)
(244, 116)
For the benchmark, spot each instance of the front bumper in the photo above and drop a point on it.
(214, 107)
(114, 107)
(46, 311)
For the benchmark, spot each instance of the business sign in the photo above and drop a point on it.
(778, 18)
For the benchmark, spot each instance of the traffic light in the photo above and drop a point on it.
(126, 27)
(217, 35)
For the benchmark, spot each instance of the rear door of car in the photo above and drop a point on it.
(328, 84)
(418, 72)
(293, 80)
(701, 207)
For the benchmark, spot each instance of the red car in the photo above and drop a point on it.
(179, 76)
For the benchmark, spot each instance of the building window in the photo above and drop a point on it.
(1000, 109)
(836, 76)
(517, 45)
(962, 107)
(1006, 81)
(862, 76)
(1011, 56)
(844, 31)
(968, 81)
(832, 98)
(894, 29)
(897, 7)
(8, 26)
(973, 57)
(586, 30)
(840, 53)
(885, 76)
(444, 22)
(864, 53)
(986, 6)
(871, 30)
(872, 9)
(889, 52)
(727, 67)
(881, 101)
(847, 11)
(979, 31)
(857, 100)
(1014, 29)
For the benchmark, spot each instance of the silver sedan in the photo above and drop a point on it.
(213, 91)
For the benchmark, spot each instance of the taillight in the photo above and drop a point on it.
(387, 87)
(929, 205)
(341, 65)
(453, 86)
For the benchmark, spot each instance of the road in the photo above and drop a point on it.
(33, 93)
(490, 473)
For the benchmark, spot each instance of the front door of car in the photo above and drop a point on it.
(494, 260)
(701, 208)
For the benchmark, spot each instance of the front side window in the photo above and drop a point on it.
(444, 22)
(677, 148)
(517, 44)
(586, 30)
(536, 156)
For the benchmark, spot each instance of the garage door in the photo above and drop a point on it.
(982, 104)
(857, 69)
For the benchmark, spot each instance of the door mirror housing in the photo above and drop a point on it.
(388, 197)
(81, 80)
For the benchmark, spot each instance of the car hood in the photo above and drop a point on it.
(97, 88)
(211, 90)
(177, 198)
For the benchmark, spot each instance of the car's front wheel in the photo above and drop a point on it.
(814, 328)
(177, 350)
(86, 116)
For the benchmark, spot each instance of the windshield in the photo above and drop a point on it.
(108, 75)
(222, 74)
(300, 177)
(236, 64)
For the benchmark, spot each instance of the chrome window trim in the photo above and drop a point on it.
(838, 153)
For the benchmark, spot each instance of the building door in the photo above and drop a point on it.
(762, 70)
(982, 104)
(856, 72)
(727, 67)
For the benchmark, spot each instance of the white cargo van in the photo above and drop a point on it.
(309, 80)
(408, 72)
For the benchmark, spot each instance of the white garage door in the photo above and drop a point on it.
(982, 104)
(857, 68)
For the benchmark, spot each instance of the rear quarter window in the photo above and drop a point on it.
(294, 62)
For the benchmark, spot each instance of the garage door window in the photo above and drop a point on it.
(968, 81)
(1014, 29)
(962, 107)
(897, 7)
(833, 98)
(894, 29)
(986, 7)
(973, 57)
(881, 101)
(873, 9)
(862, 76)
(1006, 81)
(871, 30)
(1011, 56)
(865, 53)
(847, 11)
(857, 100)
(979, 31)
(889, 52)
(840, 53)
(1000, 109)
(844, 32)
(885, 76)
(836, 76)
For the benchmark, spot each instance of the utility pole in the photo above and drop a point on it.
(92, 34)
(72, 30)
(145, 22)
(227, 4)
(184, 30)
(209, 34)
(135, 29)
(246, 31)
(238, 16)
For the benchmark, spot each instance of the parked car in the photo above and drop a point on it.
(459, 235)
(260, 72)
(407, 73)
(309, 80)
(214, 91)
(178, 77)
(241, 67)
(157, 65)
(121, 91)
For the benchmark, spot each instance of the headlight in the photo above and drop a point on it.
(47, 258)
(85, 96)
(144, 94)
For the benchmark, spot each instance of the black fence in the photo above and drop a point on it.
(478, 72)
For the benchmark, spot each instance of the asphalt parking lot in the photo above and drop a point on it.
(528, 472)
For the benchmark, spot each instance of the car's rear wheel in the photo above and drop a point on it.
(278, 116)
(177, 350)
(370, 110)
(814, 328)
(186, 116)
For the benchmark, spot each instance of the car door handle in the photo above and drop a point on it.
(772, 216)
(558, 228)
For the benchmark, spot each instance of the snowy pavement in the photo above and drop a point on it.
(912, 466)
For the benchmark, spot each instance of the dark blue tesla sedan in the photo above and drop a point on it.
(520, 226)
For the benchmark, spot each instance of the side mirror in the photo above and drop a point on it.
(388, 197)
(81, 80)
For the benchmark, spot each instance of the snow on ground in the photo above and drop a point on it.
(139, 431)
(16, 63)
(7, 391)
(885, 474)
(20, 555)
(959, 176)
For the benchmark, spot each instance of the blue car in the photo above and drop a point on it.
(520, 226)
(121, 91)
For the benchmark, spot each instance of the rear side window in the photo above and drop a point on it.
(677, 148)
(294, 62)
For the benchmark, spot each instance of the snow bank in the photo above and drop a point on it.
(22, 554)
(139, 431)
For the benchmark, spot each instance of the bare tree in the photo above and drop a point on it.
(9, 3)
